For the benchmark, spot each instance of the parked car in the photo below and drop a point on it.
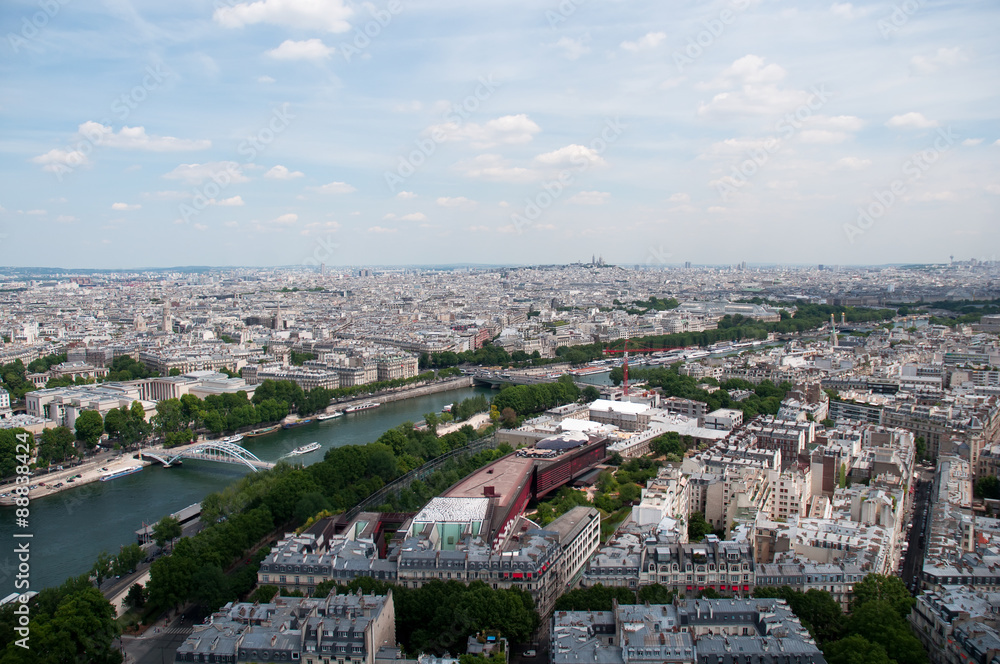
(529, 653)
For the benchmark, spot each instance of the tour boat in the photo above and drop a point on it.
(305, 449)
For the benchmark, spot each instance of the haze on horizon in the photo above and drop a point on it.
(141, 133)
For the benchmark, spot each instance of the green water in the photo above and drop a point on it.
(72, 527)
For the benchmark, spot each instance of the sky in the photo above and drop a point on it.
(143, 133)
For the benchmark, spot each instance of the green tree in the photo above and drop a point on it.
(879, 622)
(855, 650)
(166, 529)
(127, 559)
(590, 393)
(56, 445)
(101, 569)
(136, 597)
(988, 487)
(89, 427)
(698, 527)
(265, 593)
(595, 598)
(887, 588)
(211, 588)
(656, 594)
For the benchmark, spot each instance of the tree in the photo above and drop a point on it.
(136, 597)
(265, 594)
(89, 427)
(56, 445)
(166, 529)
(988, 487)
(508, 417)
(855, 650)
(127, 559)
(921, 447)
(879, 622)
(102, 567)
(590, 393)
(656, 594)
(887, 588)
(629, 492)
(174, 371)
(698, 527)
(595, 598)
(842, 482)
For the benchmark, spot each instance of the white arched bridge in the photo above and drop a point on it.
(216, 450)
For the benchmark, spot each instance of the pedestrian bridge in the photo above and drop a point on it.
(211, 451)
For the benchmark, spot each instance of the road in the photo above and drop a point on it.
(913, 562)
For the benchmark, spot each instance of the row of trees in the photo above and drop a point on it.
(765, 398)
(874, 632)
(528, 399)
(70, 623)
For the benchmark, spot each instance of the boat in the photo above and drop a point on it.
(447, 409)
(329, 416)
(262, 432)
(368, 405)
(296, 423)
(305, 449)
(122, 472)
(232, 439)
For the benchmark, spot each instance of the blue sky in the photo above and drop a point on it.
(284, 132)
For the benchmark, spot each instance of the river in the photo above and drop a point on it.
(72, 527)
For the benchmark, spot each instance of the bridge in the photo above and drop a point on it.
(211, 451)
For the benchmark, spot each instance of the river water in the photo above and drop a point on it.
(71, 528)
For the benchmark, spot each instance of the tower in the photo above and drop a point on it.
(277, 318)
(167, 326)
(833, 331)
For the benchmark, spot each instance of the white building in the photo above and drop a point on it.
(4, 402)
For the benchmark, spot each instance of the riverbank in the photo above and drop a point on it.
(70, 478)
(400, 393)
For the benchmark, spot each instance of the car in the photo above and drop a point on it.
(529, 653)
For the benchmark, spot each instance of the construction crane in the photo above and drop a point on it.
(626, 351)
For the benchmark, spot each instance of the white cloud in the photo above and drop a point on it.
(932, 196)
(57, 161)
(200, 227)
(849, 11)
(220, 171)
(280, 172)
(413, 216)
(326, 15)
(478, 229)
(573, 48)
(264, 79)
(336, 188)
(942, 58)
(406, 195)
(380, 229)
(496, 168)
(753, 90)
(852, 163)
(233, 201)
(822, 136)
(408, 107)
(124, 207)
(36, 213)
(66, 219)
(679, 198)
(231, 224)
(648, 41)
(286, 219)
(310, 49)
(971, 142)
(167, 195)
(456, 202)
(136, 138)
(507, 130)
(589, 198)
(912, 120)
(576, 155)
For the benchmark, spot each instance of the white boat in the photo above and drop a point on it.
(305, 449)
(121, 472)
(232, 439)
(368, 405)
(329, 416)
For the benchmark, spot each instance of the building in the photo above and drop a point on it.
(63, 405)
(958, 625)
(336, 628)
(719, 631)
(4, 402)
(725, 419)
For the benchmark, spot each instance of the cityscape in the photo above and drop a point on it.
(511, 332)
(689, 462)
